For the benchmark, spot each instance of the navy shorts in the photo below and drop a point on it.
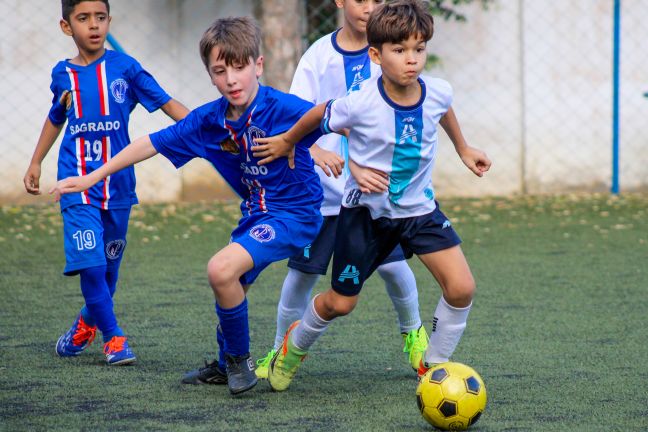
(93, 237)
(315, 257)
(270, 239)
(365, 242)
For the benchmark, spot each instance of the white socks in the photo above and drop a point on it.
(309, 329)
(295, 294)
(448, 326)
(400, 284)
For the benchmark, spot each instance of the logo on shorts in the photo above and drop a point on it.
(262, 233)
(307, 252)
(350, 272)
(446, 224)
(115, 248)
(118, 89)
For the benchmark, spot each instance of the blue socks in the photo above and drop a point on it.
(234, 331)
(99, 304)
(221, 348)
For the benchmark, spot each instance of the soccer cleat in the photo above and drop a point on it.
(211, 373)
(261, 370)
(285, 363)
(423, 368)
(117, 351)
(415, 344)
(240, 373)
(76, 339)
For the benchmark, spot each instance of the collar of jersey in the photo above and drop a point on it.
(99, 60)
(396, 106)
(246, 114)
(344, 52)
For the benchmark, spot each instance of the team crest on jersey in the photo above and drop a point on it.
(262, 233)
(118, 88)
(408, 132)
(115, 248)
(255, 132)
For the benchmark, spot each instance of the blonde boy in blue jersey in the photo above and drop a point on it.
(389, 200)
(334, 66)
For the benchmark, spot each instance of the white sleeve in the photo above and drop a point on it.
(338, 114)
(443, 91)
(305, 83)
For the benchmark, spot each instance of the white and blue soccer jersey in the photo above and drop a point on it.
(398, 140)
(102, 96)
(274, 188)
(325, 72)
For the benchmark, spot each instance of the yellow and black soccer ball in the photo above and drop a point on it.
(451, 396)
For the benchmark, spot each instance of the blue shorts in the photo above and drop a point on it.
(93, 237)
(269, 239)
(315, 258)
(363, 243)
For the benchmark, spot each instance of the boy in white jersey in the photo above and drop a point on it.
(393, 132)
(334, 66)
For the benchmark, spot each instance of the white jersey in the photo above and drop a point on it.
(401, 141)
(327, 72)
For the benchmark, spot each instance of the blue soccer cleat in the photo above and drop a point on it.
(117, 351)
(75, 340)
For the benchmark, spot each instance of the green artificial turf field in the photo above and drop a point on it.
(558, 330)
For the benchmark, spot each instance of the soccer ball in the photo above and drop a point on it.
(451, 396)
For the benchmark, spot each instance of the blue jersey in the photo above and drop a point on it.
(102, 96)
(273, 188)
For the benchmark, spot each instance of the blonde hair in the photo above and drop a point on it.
(239, 39)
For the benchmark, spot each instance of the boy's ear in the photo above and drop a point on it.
(339, 4)
(374, 55)
(65, 27)
(259, 67)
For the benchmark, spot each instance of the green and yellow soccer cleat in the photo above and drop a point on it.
(284, 364)
(415, 344)
(261, 370)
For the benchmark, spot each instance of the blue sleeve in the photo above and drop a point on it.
(58, 112)
(182, 141)
(293, 108)
(146, 89)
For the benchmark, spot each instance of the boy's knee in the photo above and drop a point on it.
(460, 293)
(336, 305)
(219, 273)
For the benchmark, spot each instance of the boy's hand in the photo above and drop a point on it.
(32, 179)
(369, 179)
(70, 185)
(271, 148)
(475, 160)
(330, 162)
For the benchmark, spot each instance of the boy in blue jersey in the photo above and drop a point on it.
(390, 199)
(334, 66)
(280, 208)
(95, 93)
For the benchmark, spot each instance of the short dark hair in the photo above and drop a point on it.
(67, 7)
(239, 39)
(397, 21)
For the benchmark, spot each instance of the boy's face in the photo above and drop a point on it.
(238, 83)
(356, 12)
(88, 25)
(401, 62)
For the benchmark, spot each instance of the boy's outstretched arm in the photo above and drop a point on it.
(271, 148)
(476, 160)
(48, 135)
(137, 151)
(175, 110)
